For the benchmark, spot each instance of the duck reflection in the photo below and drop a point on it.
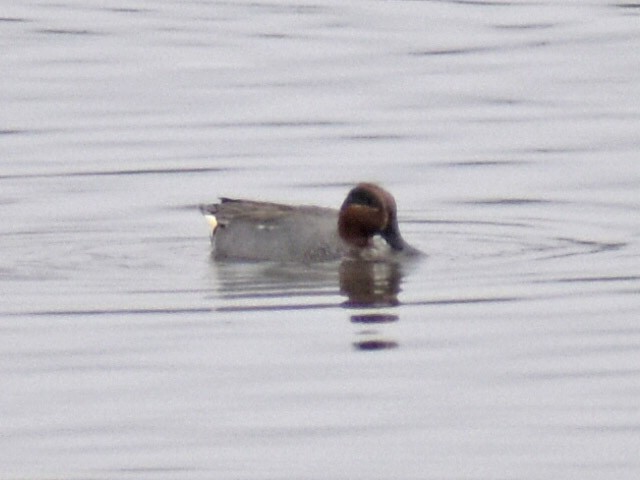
(376, 285)
(370, 339)
(369, 283)
(370, 287)
(254, 281)
(375, 344)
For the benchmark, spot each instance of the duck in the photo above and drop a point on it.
(365, 227)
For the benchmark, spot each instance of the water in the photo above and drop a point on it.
(508, 133)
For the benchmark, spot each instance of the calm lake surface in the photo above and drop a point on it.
(509, 133)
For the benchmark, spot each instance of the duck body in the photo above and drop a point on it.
(257, 231)
(254, 231)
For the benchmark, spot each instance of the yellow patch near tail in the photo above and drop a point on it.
(212, 221)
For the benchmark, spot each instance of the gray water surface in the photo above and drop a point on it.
(509, 135)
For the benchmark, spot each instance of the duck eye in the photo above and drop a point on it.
(360, 197)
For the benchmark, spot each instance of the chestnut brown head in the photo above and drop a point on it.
(367, 211)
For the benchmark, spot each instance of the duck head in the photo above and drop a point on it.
(367, 211)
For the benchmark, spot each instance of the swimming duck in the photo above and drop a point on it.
(366, 226)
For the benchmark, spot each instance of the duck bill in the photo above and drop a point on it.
(392, 236)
